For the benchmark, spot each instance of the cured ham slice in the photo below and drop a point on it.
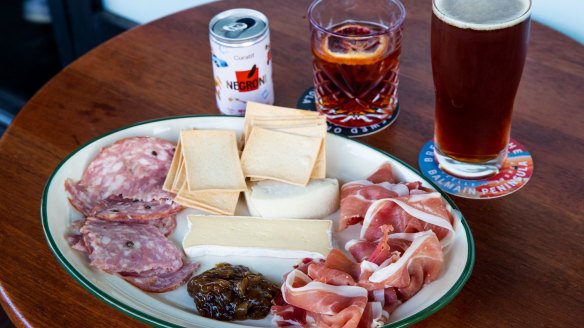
(339, 261)
(383, 174)
(373, 316)
(299, 290)
(386, 297)
(356, 197)
(412, 213)
(376, 251)
(321, 273)
(420, 264)
(379, 251)
(132, 168)
(326, 305)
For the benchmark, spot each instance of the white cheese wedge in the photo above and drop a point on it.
(252, 236)
(269, 198)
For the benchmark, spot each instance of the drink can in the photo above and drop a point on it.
(242, 61)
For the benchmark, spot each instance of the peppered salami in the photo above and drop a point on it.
(163, 282)
(129, 247)
(75, 238)
(165, 225)
(116, 207)
(133, 169)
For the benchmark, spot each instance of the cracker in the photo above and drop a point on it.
(174, 167)
(280, 156)
(220, 201)
(254, 109)
(180, 177)
(319, 131)
(212, 160)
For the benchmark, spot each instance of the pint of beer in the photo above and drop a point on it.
(478, 52)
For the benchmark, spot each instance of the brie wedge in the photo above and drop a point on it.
(270, 198)
(251, 236)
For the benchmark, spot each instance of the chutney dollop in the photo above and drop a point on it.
(232, 292)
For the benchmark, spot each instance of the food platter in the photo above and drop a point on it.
(347, 160)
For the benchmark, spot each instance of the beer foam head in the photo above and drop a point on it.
(482, 14)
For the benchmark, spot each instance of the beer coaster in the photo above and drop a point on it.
(306, 102)
(516, 172)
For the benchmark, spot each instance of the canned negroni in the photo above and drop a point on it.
(242, 61)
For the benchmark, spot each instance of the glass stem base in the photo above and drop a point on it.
(470, 170)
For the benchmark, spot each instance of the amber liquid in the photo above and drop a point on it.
(356, 90)
(476, 75)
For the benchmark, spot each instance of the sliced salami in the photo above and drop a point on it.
(165, 225)
(162, 282)
(75, 238)
(118, 208)
(129, 247)
(81, 197)
(132, 168)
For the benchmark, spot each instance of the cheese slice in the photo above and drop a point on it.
(252, 236)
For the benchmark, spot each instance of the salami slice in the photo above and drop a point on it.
(162, 282)
(82, 198)
(165, 225)
(129, 247)
(75, 238)
(117, 208)
(132, 168)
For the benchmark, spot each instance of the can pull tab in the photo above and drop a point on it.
(234, 29)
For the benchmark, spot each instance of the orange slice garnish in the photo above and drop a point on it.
(355, 46)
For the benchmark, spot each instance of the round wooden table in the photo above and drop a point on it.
(529, 269)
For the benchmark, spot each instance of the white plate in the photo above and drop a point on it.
(347, 160)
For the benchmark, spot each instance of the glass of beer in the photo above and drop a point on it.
(356, 46)
(478, 52)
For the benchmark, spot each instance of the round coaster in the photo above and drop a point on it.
(516, 171)
(306, 102)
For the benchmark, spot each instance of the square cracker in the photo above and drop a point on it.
(174, 167)
(280, 156)
(319, 131)
(254, 109)
(180, 177)
(211, 160)
(219, 201)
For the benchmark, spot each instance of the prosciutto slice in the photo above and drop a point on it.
(377, 251)
(409, 214)
(326, 305)
(420, 264)
(357, 196)
(383, 174)
(373, 316)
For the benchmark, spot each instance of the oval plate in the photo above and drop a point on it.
(347, 160)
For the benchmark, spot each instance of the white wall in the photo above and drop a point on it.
(144, 11)
(566, 16)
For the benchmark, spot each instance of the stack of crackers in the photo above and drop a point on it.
(278, 143)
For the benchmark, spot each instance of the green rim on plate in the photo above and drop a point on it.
(433, 308)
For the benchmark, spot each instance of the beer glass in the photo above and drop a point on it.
(478, 52)
(356, 46)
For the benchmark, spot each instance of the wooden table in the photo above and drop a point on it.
(529, 269)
